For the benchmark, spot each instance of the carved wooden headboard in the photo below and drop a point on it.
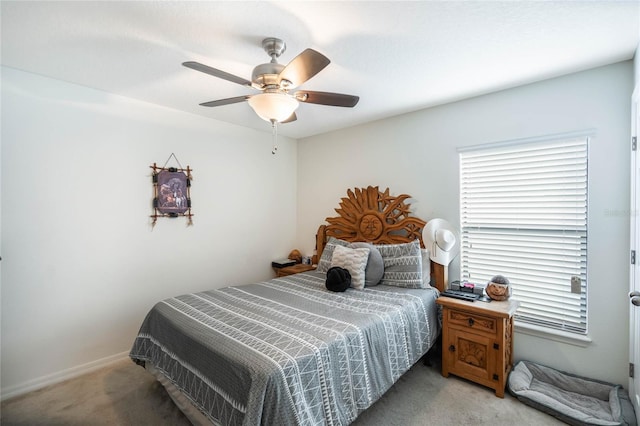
(369, 215)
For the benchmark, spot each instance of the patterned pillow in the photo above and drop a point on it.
(353, 260)
(402, 264)
(375, 265)
(325, 259)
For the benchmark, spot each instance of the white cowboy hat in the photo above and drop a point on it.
(440, 238)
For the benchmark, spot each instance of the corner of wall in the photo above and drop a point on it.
(636, 68)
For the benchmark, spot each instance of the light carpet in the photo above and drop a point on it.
(125, 394)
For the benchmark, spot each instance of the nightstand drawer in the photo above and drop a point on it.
(472, 321)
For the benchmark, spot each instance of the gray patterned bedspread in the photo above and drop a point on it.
(287, 351)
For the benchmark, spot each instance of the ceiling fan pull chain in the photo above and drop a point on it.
(274, 133)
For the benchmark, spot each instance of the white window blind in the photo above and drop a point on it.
(523, 214)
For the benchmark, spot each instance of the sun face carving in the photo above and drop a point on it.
(367, 214)
(370, 226)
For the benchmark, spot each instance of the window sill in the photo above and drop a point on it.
(556, 335)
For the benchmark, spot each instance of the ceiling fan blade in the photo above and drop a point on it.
(326, 98)
(292, 117)
(216, 73)
(303, 67)
(226, 101)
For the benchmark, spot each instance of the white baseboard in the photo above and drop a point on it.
(60, 376)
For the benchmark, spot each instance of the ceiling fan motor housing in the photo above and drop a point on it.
(265, 75)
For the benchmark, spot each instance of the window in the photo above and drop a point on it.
(523, 214)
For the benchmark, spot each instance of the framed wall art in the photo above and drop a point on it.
(172, 192)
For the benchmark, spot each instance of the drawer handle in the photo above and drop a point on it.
(471, 321)
(452, 348)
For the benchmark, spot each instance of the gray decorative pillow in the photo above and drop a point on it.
(402, 264)
(426, 268)
(375, 264)
(353, 260)
(325, 259)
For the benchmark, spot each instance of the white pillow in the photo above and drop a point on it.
(375, 265)
(353, 260)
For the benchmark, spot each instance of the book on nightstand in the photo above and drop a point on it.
(283, 263)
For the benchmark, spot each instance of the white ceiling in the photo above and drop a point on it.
(397, 56)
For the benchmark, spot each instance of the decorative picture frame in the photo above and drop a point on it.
(172, 192)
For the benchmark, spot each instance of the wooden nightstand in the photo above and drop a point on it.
(295, 269)
(477, 340)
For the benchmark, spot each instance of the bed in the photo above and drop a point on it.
(288, 351)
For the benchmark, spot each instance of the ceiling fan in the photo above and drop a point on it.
(277, 103)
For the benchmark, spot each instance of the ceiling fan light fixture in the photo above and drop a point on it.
(273, 106)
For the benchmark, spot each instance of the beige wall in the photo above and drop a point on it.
(81, 265)
(416, 154)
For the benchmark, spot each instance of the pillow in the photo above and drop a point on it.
(353, 260)
(325, 259)
(338, 279)
(375, 266)
(402, 264)
(426, 268)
